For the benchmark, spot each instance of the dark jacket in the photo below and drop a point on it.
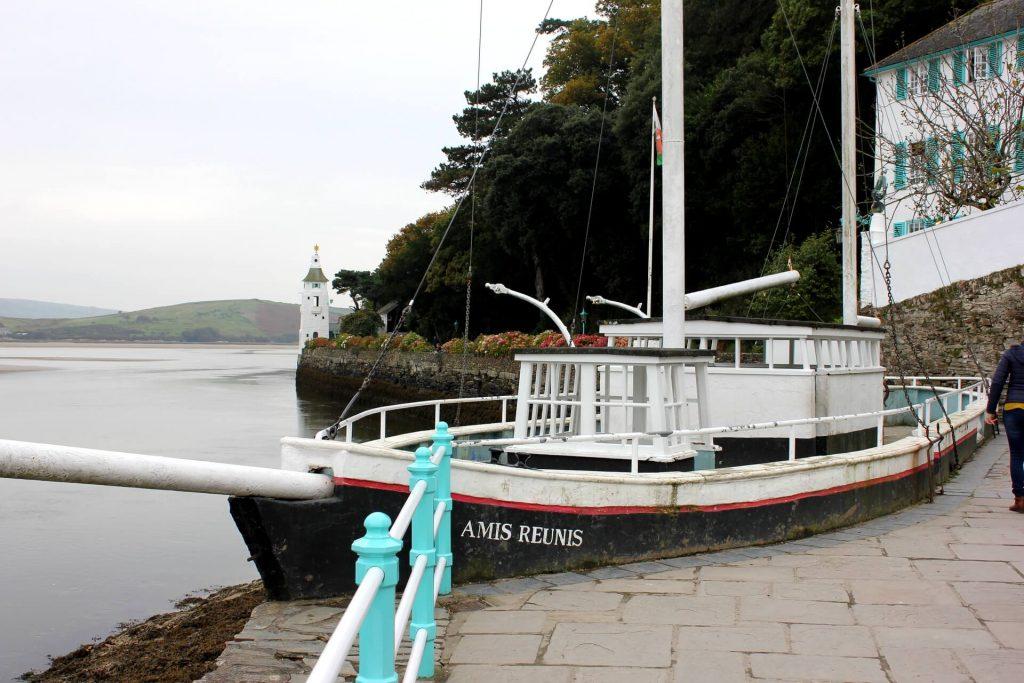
(1009, 373)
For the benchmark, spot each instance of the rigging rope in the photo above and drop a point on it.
(805, 139)
(332, 431)
(472, 223)
(597, 163)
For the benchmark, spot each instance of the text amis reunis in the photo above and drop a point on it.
(539, 535)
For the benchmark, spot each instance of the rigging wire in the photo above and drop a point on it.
(805, 139)
(597, 164)
(332, 431)
(472, 222)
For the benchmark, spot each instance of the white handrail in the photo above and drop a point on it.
(335, 652)
(415, 657)
(442, 562)
(437, 455)
(348, 423)
(401, 523)
(620, 436)
(438, 516)
(404, 610)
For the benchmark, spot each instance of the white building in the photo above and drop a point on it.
(929, 96)
(315, 302)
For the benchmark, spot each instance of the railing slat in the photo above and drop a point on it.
(333, 657)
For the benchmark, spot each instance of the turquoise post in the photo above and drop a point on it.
(377, 634)
(423, 544)
(444, 495)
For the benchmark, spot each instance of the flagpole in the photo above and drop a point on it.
(650, 227)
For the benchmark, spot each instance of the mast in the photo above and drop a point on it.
(848, 86)
(673, 253)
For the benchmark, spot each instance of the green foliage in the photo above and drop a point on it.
(361, 323)
(747, 103)
(362, 286)
(818, 292)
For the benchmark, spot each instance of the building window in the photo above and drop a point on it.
(316, 301)
(918, 161)
(918, 224)
(977, 64)
(917, 80)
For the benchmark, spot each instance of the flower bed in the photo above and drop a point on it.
(500, 345)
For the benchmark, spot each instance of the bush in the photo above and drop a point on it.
(590, 340)
(410, 341)
(503, 343)
(549, 339)
(458, 346)
(318, 342)
(361, 323)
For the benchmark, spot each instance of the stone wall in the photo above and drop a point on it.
(406, 375)
(985, 316)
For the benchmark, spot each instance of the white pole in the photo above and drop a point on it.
(848, 85)
(650, 220)
(45, 462)
(673, 203)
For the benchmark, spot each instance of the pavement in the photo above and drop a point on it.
(933, 593)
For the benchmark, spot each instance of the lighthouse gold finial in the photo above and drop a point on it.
(316, 248)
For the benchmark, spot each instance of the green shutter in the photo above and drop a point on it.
(959, 67)
(901, 84)
(1020, 51)
(899, 229)
(931, 156)
(934, 74)
(959, 147)
(1018, 157)
(900, 175)
(995, 59)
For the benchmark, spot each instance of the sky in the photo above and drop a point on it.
(160, 151)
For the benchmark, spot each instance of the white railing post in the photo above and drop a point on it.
(383, 423)
(792, 443)
(437, 412)
(881, 430)
(442, 437)
(504, 410)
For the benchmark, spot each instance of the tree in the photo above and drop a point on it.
(478, 123)
(817, 295)
(956, 143)
(362, 286)
(362, 323)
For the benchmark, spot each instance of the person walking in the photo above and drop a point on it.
(1010, 373)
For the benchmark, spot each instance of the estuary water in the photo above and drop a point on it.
(77, 560)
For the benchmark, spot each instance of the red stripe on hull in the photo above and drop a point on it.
(649, 509)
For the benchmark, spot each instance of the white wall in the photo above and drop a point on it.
(963, 249)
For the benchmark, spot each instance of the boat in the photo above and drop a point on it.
(681, 436)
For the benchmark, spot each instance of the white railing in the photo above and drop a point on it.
(372, 614)
(923, 381)
(924, 409)
(348, 424)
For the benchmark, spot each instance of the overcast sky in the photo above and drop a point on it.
(160, 151)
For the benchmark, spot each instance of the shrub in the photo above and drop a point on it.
(362, 323)
(549, 339)
(589, 340)
(318, 342)
(503, 343)
(458, 346)
(410, 341)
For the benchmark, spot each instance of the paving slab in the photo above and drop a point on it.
(935, 593)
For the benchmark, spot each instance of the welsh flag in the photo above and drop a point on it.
(657, 132)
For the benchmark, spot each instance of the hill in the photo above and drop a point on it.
(241, 320)
(30, 308)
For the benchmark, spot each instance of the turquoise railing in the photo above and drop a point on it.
(372, 614)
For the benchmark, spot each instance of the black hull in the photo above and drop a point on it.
(302, 549)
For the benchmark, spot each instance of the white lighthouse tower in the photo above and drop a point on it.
(315, 302)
